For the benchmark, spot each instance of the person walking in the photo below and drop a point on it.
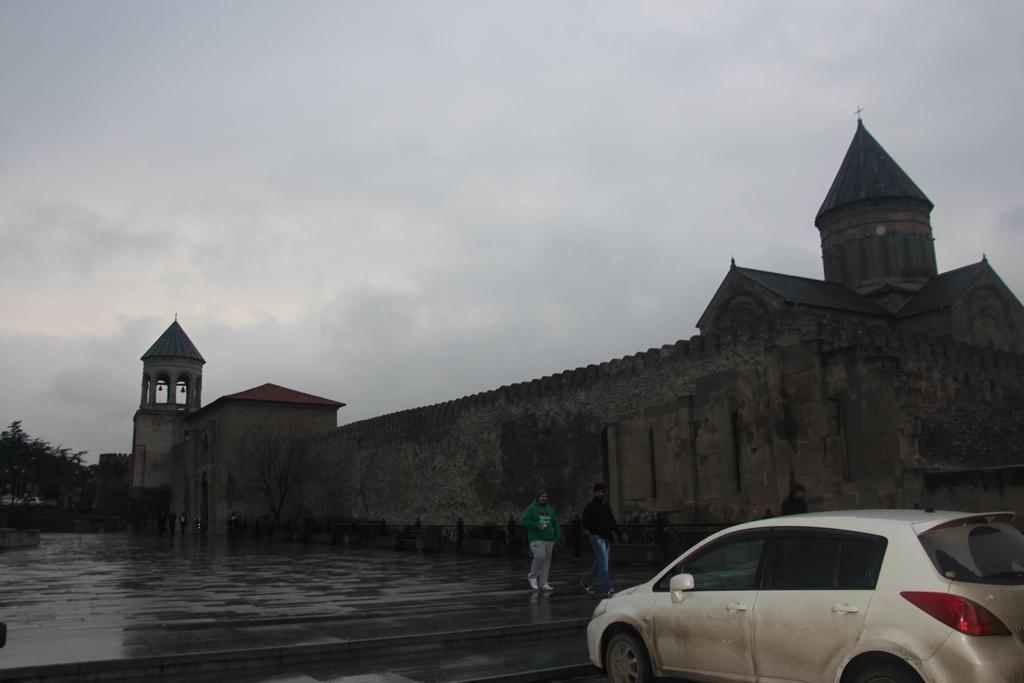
(796, 502)
(599, 523)
(542, 528)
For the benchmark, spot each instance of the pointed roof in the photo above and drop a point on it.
(809, 292)
(278, 394)
(947, 288)
(174, 343)
(868, 172)
(793, 289)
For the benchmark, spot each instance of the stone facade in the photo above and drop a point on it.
(219, 456)
(113, 483)
(707, 430)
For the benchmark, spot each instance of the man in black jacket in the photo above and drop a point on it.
(796, 502)
(599, 523)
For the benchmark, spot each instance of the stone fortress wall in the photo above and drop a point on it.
(710, 429)
(113, 483)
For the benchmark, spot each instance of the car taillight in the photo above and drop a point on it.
(960, 614)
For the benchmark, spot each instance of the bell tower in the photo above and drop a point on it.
(875, 224)
(172, 385)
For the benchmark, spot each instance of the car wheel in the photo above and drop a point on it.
(885, 673)
(625, 659)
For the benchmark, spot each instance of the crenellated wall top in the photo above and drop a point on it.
(781, 329)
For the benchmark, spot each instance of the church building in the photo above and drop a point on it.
(880, 269)
(237, 454)
(885, 384)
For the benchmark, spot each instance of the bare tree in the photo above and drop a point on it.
(280, 464)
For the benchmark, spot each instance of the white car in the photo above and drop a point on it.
(863, 596)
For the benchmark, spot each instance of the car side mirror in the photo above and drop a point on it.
(679, 584)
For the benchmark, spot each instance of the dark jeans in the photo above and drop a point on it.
(600, 546)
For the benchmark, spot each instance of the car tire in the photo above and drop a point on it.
(885, 673)
(626, 660)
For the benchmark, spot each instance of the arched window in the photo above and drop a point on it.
(163, 389)
(181, 390)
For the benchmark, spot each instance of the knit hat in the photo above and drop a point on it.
(599, 486)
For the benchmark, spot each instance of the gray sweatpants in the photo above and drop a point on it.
(542, 551)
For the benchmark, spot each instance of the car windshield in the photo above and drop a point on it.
(977, 552)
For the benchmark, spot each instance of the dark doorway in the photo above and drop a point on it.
(204, 506)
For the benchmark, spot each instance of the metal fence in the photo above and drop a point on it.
(510, 539)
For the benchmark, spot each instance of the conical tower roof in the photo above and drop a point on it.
(868, 172)
(174, 343)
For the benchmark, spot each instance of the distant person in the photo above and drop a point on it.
(542, 528)
(599, 523)
(796, 502)
(183, 522)
(577, 535)
(659, 528)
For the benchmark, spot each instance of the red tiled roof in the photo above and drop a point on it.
(279, 394)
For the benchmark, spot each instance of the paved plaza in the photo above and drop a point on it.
(85, 603)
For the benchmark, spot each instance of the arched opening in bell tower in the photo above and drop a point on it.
(163, 389)
(181, 390)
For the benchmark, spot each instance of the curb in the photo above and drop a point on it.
(241, 661)
(552, 674)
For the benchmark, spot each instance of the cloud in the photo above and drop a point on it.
(396, 204)
(1012, 222)
(80, 392)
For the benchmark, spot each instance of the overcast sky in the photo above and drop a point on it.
(393, 204)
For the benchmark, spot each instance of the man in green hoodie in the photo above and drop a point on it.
(542, 526)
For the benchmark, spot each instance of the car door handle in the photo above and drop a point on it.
(843, 608)
(736, 607)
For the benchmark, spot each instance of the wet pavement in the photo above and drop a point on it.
(430, 617)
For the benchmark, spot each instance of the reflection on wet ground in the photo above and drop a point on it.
(110, 596)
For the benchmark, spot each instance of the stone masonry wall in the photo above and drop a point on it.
(706, 430)
(483, 457)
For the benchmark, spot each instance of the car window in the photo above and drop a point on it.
(810, 559)
(977, 552)
(731, 564)
(810, 562)
(860, 562)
